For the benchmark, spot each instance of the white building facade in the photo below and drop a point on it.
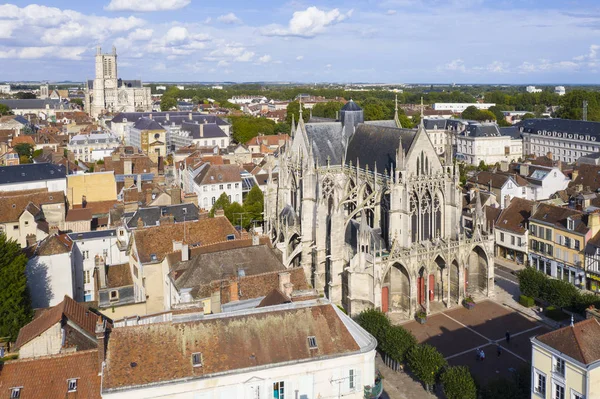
(484, 142)
(93, 147)
(460, 107)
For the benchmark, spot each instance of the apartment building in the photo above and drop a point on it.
(512, 233)
(557, 241)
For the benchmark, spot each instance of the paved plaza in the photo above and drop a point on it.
(458, 333)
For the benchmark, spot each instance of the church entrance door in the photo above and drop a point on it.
(385, 299)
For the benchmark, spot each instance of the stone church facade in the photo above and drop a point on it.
(372, 213)
(108, 93)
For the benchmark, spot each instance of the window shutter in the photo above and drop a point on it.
(357, 381)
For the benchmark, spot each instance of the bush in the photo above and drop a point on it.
(526, 301)
(397, 342)
(375, 322)
(426, 362)
(458, 383)
(532, 282)
(584, 301)
(560, 293)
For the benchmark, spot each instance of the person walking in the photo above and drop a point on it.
(507, 335)
(498, 350)
(482, 355)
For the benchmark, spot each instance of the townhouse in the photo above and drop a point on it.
(503, 186)
(512, 231)
(33, 176)
(209, 181)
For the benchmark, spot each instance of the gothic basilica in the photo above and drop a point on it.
(373, 215)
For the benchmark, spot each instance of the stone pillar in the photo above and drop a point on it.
(449, 285)
(427, 288)
(337, 256)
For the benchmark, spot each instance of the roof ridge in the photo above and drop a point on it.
(577, 338)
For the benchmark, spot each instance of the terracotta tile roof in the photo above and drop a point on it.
(74, 215)
(140, 163)
(514, 218)
(275, 297)
(158, 240)
(118, 276)
(98, 208)
(587, 176)
(22, 139)
(579, 342)
(68, 308)
(46, 377)
(558, 216)
(215, 174)
(270, 140)
(13, 203)
(54, 245)
(227, 344)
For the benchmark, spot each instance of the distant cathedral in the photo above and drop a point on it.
(108, 93)
(373, 215)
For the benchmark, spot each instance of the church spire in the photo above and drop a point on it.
(422, 122)
(300, 103)
(396, 119)
(293, 126)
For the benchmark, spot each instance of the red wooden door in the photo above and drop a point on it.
(431, 286)
(385, 297)
(421, 290)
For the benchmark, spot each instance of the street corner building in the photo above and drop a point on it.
(372, 213)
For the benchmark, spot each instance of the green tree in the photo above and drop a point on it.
(532, 282)
(458, 383)
(397, 342)
(77, 101)
(375, 322)
(329, 109)
(4, 110)
(25, 96)
(167, 103)
(426, 362)
(15, 304)
(528, 115)
(471, 112)
(293, 108)
(254, 205)
(25, 151)
(235, 213)
(245, 128)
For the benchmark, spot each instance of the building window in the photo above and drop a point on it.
(220, 187)
(351, 382)
(15, 393)
(512, 240)
(237, 185)
(519, 241)
(229, 186)
(539, 383)
(548, 234)
(213, 200)
(114, 296)
(72, 385)
(576, 242)
(205, 188)
(86, 277)
(570, 224)
(558, 366)
(197, 359)
(576, 395)
(558, 391)
(502, 237)
(278, 390)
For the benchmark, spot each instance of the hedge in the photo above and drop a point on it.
(397, 342)
(426, 362)
(535, 284)
(526, 301)
(458, 383)
(555, 313)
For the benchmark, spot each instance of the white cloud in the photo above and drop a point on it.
(69, 53)
(455, 65)
(146, 5)
(161, 66)
(208, 20)
(230, 18)
(390, 12)
(222, 63)
(264, 59)
(308, 23)
(300, 58)
(231, 53)
(328, 66)
(176, 34)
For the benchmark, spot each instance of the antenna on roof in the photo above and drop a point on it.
(585, 105)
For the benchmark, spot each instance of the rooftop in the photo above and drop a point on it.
(30, 172)
(579, 341)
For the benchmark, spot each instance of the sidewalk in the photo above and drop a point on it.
(399, 385)
(507, 265)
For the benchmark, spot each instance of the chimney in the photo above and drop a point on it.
(101, 338)
(255, 239)
(150, 116)
(140, 223)
(575, 174)
(127, 166)
(31, 239)
(524, 169)
(115, 156)
(139, 183)
(233, 291)
(53, 230)
(594, 222)
(201, 130)
(190, 116)
(190, 198)
(128, 181)
(175, 196)
(185, 252)
(549, 155)
(148, 196)
(219, 213)
(167, 117)
(504, 166)
(101, 268)
(285, 284)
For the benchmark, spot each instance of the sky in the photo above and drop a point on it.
(387, 41)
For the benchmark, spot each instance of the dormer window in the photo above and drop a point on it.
(312, 342)
(570, 224)
(197, 359)
(72, 385)
(15, 393)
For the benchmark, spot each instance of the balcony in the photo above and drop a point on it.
(375, 391)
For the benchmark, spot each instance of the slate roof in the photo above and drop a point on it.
(327, 142)
(512, 131)
(561, 125)
(515, 216)
(81, 139)
(372, 145)
(88, 235)
(33, 103)
(30, 172)
(384, 123)
(46, 377)
(229, 343)
(351, 106)
(147, 124)
(481, 130)
(153, 240)
(204, 268)
(177, 117)
(209, 130)
(579, 342)
(151, 216)
(68, 308)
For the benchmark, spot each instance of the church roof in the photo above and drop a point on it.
(327, 142)
(373, 144)
(384, 123)
(147, 124)
(351, 106)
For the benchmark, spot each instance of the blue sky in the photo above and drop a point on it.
(403, 41)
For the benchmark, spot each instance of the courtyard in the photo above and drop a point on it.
(457, 333)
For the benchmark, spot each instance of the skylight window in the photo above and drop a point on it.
(312, 342)
(72, 385)
(15, 393)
